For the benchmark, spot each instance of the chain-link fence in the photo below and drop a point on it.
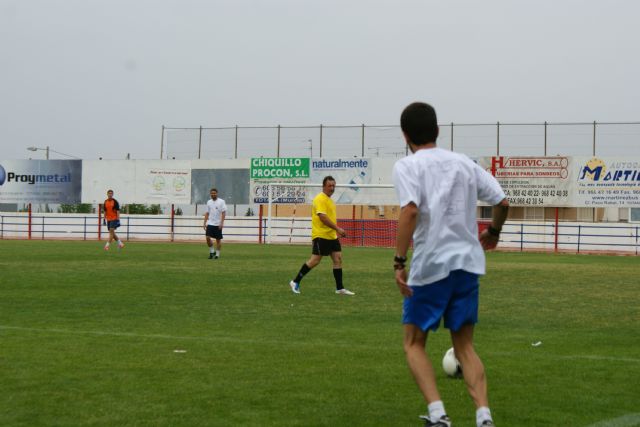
(483, 139)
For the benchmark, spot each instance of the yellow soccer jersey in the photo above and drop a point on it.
(323, 204)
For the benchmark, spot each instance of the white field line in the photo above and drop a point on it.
(629, 420)
(282, 342)
(568, 357)
(52, 331)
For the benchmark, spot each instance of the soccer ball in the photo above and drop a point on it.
(451, 365)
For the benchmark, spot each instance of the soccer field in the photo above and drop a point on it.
(159, 335)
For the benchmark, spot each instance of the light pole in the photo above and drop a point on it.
(46, 149)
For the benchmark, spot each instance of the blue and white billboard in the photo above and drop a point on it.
(40, 181)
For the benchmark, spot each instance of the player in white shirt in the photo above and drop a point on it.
(438, 191)
(214, 222)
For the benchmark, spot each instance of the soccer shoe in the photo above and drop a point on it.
(106, 248)
(487, 423)
(344, 292)
(120, 245)
(210, 256)
(444, 421)
(217, 256)
(295, 287)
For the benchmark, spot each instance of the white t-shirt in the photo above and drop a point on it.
(445, 186)
(215, 209)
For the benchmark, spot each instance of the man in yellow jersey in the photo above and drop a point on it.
(324, 236)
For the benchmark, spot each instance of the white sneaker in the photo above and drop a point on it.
(345, 292)
(120, 245)
(295, 287)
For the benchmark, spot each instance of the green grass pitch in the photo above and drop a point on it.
(89, 338)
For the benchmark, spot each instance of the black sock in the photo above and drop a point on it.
(337, 274)
(303, 270)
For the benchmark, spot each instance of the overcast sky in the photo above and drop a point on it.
(99, 78)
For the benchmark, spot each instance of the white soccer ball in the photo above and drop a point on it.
(451, 365)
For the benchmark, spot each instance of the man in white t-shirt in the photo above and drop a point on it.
(438, 191)
(214, 221)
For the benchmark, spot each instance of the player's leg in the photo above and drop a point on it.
(472, 370)
(106, 245)
(218, 247)
(415, 340)
(210, 242)
(461, 317)
(317, 252)
(307, 267)
(421, 312)
(117, 239)
(111, 233)
(336, 257)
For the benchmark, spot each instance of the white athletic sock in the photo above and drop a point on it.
(436, 410)
(217, 253)
(106, 245)
(211, 250)
(483, 413)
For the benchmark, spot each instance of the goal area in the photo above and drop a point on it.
(367, 212)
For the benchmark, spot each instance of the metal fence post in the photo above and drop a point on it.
(236, 150)
(162, 143)
(545, 138)
(497, 138)
(200, 142)
(173, 216)
(278, 150)
(579, 235)
(451, 136)
(555, 238)
(30, 219)
(594, 137)
(320, 139)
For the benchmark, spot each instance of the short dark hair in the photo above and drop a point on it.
(109, 191)
(327, 178)
(419, 122)
(213, 189)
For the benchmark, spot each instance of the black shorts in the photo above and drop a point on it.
(214, 232)
(112, 225)
(325, 247)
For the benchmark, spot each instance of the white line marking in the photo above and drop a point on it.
(287, 342)
(571, 356)
(629, 420)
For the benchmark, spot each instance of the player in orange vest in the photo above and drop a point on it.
(111, 209)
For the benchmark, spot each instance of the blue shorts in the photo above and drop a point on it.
(455, 298)
(112, 225)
